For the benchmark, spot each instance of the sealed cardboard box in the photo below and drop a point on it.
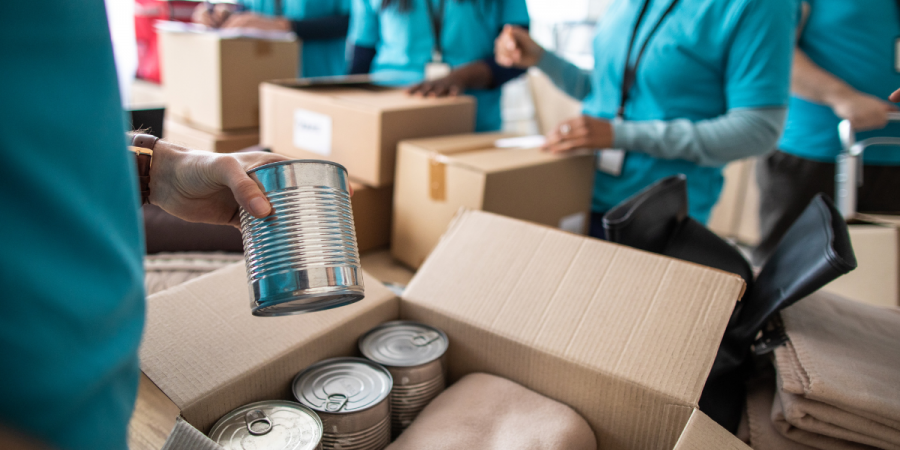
(358, 127)
(876, 280)
(372, 215)
(438, 176)
(626, 338)
(211, 141)
(212, 80)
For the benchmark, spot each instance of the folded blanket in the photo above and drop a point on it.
(807, 436)
(485, 412)
(763, 435)
(839, 372)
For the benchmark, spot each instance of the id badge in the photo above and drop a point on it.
(610, 161)
(897, 54)
(436, 70)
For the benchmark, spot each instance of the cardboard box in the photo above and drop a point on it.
(213, 82)
(876, 280)
(436, 177)
(358, 127)
(736, 214)
(552, 106)
(211, 141)
(624, 337)
(372, 215)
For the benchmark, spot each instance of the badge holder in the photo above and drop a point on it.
(437, 68)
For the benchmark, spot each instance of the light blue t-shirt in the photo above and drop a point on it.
(403, 40)
(72, 308)
(854, 41)
(707, 57)
(319, 58)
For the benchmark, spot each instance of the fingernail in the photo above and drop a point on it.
(259, 207)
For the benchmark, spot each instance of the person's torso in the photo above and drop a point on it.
(406, 40)
(72, 263)
(682, 75)
(318, 58)
(855, 41)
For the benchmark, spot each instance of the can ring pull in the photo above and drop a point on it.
(254, 419)
(336, 402)
(423, 339)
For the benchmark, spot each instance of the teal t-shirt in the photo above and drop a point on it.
(707, 57)
(71, 265)
(318, 58)
(403, 40)
(854, 41)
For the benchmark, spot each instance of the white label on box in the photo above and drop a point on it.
(312, 132)
(574, 223)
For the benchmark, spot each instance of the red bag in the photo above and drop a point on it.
(146, 13)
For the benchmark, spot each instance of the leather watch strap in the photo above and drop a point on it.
(142, 146)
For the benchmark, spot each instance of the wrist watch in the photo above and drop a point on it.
(142, 147)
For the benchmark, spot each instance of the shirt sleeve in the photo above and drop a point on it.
(363, 24)
(758, 66)
(328, 27)
(565, 75)
(515, 12)
(738, 134)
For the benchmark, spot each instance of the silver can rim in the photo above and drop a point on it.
(323, 362)
(296, 161)
(293, 404)
(446, 339)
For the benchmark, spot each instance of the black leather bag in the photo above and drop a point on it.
(815, 251)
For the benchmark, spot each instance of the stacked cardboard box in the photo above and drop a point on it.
(490, 172)
(876, 280)
(358, 127)
(624, 337)
(211, 84)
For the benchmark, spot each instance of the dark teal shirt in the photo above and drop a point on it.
(72, 308)
(854, 41)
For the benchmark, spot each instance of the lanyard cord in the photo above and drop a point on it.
(280, 12)
(437, 21)
(630, 74)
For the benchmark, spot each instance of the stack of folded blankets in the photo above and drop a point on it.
(837, 379)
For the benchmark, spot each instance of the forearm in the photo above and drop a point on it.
(329, 27)
(565, 75)
(475, 75)
(361, 59)
(738, 134)
(814, 83)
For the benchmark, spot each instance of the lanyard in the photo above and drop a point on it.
(277, 9)
(630, 73)
(437, 22)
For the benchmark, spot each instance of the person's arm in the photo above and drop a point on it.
(515, 48)
(319, 28)
(740, 133)
(362, 36)
(361, 59)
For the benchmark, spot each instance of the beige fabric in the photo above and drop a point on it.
(808, 437)
(485, 412)
(763, 435)
(840, 372)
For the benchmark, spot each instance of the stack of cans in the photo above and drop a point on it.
(352, 397)
(414, 355)
(274, 425)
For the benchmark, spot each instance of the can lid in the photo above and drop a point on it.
(342, 385)
(402, 343)
(271, 424)
(294, 161)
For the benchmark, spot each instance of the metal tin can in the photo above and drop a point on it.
(302, 257)
(352, 396)
(272, 424)
(414, 353)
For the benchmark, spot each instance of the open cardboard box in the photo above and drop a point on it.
(624, 337)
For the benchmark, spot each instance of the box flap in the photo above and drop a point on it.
(370, 96)
(643, 318)
(880, 219)
(702, 433)
(209, 354)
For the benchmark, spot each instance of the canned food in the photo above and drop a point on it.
(303, 256)
(414, 355)
(352, 397)
(272, 425)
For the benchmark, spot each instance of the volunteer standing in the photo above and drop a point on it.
(447, 42)
(72, 259)
(845, 67)
(677, 87)
(320, 24)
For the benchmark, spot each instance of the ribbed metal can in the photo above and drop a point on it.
(271, 425)
(415, 355)
(352, 396)
(303, 256)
